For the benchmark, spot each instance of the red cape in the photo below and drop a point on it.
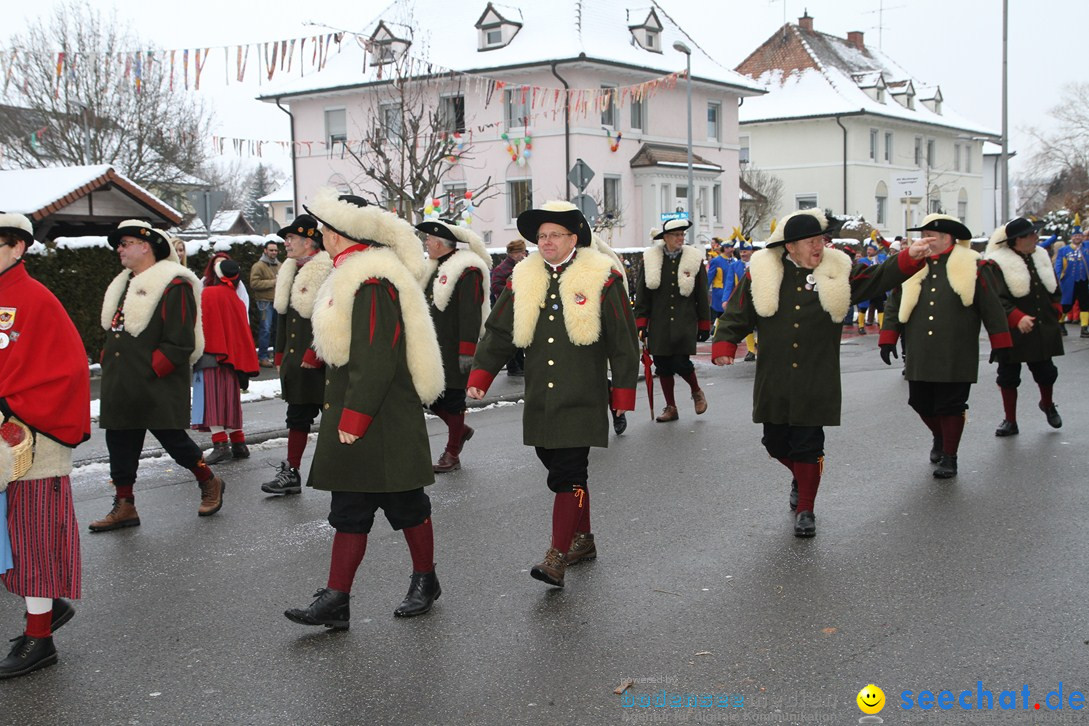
(227, 333)
(44, 380)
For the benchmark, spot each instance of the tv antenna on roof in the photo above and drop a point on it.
(881, 19)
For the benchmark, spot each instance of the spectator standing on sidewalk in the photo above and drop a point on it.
(516, 252)
(263, 284)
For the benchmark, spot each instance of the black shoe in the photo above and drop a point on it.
(62, 613)
(936, 449)
(287, 481)
(1062, 329)
(749, 357)
(947, 469)
(1085, 332)
(1054, 420)
(1007, 428)
(329, 609)
(423, 591)
(620, 423)
(28, 655)
(805, 524)
(793, 494)
(239, 450)
(221, 451)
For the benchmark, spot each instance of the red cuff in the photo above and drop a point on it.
(465, 348)
(1014, 318)
(278, 359)
(623, 399)
(908, 265)
(1058, 309)
(161, 364)
(888, 337)
(723, 348)
(705, 325)
(480, 378)
(1001, 340)
(640, 322)
(353, 422)
(311, 359)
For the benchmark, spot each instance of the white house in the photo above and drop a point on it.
(562, 80)
(280, 204)
(841, 122)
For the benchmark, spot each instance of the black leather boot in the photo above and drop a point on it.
(239, 450)
(1007, 428)
(423, 591)
(329, 609)
(947, 469)
(1054, 420)
(221, 451)
(620, 422)
(805, 524)
(28, 655)
(936, 449)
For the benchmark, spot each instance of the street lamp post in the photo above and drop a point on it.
(682, 48)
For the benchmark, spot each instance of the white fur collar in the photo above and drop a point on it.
(332, 317)
(143, 296)
(300, 290)
(689, 267)
(960, 270)
(1015, 269)
(618, 265)
(766, 267)
(580, 293)
(446, 281)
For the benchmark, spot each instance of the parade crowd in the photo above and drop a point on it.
(367, 333)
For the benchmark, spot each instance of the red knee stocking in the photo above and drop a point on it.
(38, 625)
(1009, 402)
(566, 514)
(584, 521)
(1045, 396)
(238, 436)
(809, 480)
(952, 428)
(296, 445)
(348, 551)
(690, 379)
(421, 545)
(667, 389)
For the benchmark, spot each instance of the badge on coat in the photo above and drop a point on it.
(810, 282)
(580, 299)
(5, 341)
(7, 318)
(442, 280)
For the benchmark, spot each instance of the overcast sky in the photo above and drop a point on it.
(956, 44)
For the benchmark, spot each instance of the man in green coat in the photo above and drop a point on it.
(565, 304)
(938, 311)
(459, 304)
(1026, 284)
(797, 292)
(673, 312)
(372, 329)
(153, 337)
(302, 380)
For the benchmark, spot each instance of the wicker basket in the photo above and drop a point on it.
(16, 435)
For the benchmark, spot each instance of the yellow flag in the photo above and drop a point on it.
(772, 226)
(1077, 219)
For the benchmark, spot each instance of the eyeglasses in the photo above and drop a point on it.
(131, 242)
(554, 236)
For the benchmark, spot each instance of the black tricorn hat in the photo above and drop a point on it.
(674, 225)
(943, 223)
(439, 228)
(142, 230)
(335, 213)
(565, 214)
(303, 225)
(802, 224)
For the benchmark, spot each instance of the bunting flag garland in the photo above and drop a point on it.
(242, 60)
(613, 145)
(198, 66)
(185, 65)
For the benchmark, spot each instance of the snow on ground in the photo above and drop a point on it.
(259, 391)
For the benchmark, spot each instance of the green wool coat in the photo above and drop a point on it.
(566, 384)
(672, 320)
(294, 336)
(942, 333)
(458, 326)
(797, 371)
(1044, 341)
(393, 454)
(133, 394)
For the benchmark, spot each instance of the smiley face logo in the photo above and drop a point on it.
(871, 699)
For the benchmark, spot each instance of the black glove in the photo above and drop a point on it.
(703, 336)
(999, 355)
(887, 350)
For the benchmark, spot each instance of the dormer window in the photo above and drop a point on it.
(873, 83)
(904, 93)
(494, 30)
(647, 35)
(880, 95)
(385, 46)
(932, 99)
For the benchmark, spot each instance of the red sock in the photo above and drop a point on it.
(124, 492)
(455, 429)
(296, 445)
(809, 479)
(38, 626)
(219, 437)
(932, 423)
(201, 470)
(1009, 403)
(952, 428)
(667, 389)
(1045, 396)
(787, 463)
(238, 436)
(421, 545)
(584, 522)
(690, 378)
(348, 551)
(566, 514)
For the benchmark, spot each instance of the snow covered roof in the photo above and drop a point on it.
(444, 34)
(224, 222)
(286, 193)
(38, 193)
(812, 74)
(670, 155)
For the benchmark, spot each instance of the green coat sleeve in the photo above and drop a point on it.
(643, 299)
(871, 281)
(891, 328)
(703, 299)
(179, 311)
(622, 344)
(990, 308)
(497, 345)
(280, 345)
(376, 333)
(738, 320)
(470, 298)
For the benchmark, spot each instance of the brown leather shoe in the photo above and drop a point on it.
(701, 401)
(211, 496)
(669, 413)
(123, 514)
(551, 570)
(465, 436)
(446, 463)
(582, 548)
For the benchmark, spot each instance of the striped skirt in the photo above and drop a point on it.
(44, 539)
(222, 399)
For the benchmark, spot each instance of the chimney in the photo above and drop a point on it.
(854, 37)
(806, 22)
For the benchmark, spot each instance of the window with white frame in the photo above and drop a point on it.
(716, 203)
(680, 199)
(968, 148)
(519, 197)
(805, 201)
(638, 115)
(516, 107)
(935, 202)
(956, 157)
(873, 144)
(930, 153)
(665, 205)
(452, 114)
(390, 116)
(881, 200)
(610, 200)
(336, 127)
(888, 147)
(609, 117)
(962, 211)
(455, 195)
(743, 150)
(714, 121)
(493, 35)
(919, 151)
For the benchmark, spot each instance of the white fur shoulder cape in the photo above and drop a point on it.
(961, 271)
(654, 258)
(450, 271)
(332, 317)
(1015, 270)
(581, 285)
(299, 288)
(143, 296)
(833, 282)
